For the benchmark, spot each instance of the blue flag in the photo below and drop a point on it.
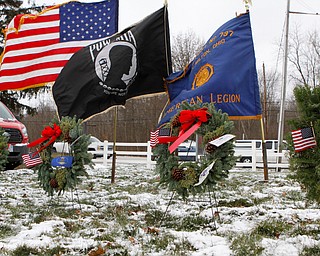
(223, 73)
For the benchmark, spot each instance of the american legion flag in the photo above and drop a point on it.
(303, 139)
(223, 73)
(31, 159)
(37, 46)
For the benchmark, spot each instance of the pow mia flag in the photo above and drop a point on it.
(131, 63)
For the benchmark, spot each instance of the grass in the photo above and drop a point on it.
(24, 250)
(134, 214)
(6, 230)
(246, 245)
(271, 228)
(239, 202)
(310, 251)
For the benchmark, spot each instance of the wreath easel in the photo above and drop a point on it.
(183, 177)
(64, 172)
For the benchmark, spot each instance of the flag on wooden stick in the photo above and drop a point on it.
(303, 139)
(154, 138)
(31, 159)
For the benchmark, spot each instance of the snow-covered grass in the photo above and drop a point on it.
(242, 216)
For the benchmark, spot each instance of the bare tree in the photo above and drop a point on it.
(269, 84)
(185, 47)
(304, 55)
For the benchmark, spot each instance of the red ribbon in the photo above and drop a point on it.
(188, 117)
(48, 133)
(190, 121)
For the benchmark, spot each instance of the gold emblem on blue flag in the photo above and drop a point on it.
(203, 75)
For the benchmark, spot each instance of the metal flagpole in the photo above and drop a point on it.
(283, 89)
(265, 115)
(262, 123)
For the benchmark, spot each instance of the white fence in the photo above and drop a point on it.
(256, 156)
(128, 156)
(145, 156)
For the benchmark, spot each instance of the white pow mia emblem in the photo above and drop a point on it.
(116, 66)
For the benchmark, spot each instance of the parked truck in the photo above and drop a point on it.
(244, 150)
(17, 136)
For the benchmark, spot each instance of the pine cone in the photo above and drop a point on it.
(175, 122)
(209, 148)
(53, 183)
(177, 174)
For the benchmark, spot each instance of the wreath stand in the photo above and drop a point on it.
(185, 178)
(210, 203)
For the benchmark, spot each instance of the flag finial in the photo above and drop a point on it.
(246, 4)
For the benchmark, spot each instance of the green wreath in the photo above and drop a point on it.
(58, 179)
(181, 177)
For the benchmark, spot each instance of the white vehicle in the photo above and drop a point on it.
(187, 151)
(243, 150)
(95, 147)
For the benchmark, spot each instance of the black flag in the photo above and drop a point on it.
(131, 63)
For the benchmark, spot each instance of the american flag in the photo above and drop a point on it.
(303, 139)
(31, 159)
(154, 138)
(159, 136)
(38, 46)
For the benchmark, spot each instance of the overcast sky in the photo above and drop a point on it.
(205, 16)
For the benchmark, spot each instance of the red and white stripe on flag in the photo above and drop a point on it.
(303, 139)
(31, 159)
(37, 47)
(154, 135)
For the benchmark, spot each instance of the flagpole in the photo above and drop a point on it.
(167, 37)
(114, 156)
(283, 90)
(313, 133)
(264, 153)
(265, 116)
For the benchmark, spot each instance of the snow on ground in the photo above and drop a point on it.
(247, 216)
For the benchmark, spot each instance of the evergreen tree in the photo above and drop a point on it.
(8, 9)
(305, 165)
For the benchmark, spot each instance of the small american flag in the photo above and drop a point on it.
(31, 159)
(303, 139)
(157, 136)
(154, 138)
(39, 45)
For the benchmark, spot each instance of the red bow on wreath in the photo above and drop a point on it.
(188, 117)
(48, 133)
(190, 121)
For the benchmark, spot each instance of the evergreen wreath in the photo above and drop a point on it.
(182, 176)
(3, 150)
(59, 179)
